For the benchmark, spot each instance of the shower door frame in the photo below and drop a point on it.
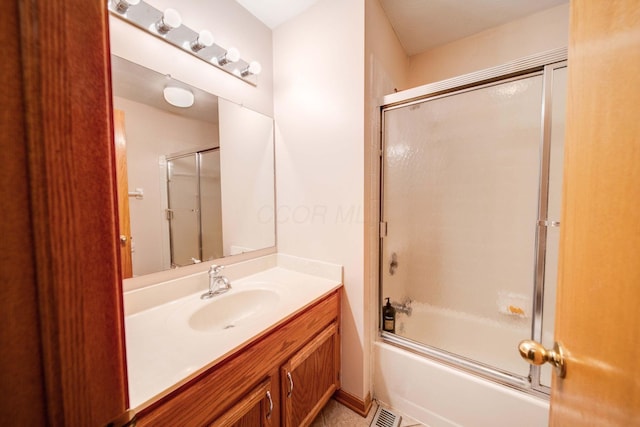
(541, 64)
(197, 153)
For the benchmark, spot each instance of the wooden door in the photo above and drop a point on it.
(21, 365)
(598, 303)
(310, 378)
(61, 300)
(122, 179)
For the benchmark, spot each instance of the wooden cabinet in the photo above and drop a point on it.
(309, 378)
(255, 409)
(282, 377)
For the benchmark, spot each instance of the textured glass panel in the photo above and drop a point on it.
(183, 203)
(559, 93)
(210, 205)
(461, 176)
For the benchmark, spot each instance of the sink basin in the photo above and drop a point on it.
(231, 310)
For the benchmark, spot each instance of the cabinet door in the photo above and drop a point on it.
(255, 409)
(310, 377)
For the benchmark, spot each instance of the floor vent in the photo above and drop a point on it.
(385, 418)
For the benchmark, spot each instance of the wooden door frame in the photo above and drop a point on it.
(61, 304)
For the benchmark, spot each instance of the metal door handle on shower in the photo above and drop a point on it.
(393, 265)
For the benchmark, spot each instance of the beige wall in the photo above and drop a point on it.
(145, 144)
(535, 33)
(319, 104)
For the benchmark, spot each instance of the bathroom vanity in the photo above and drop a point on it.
(267, 353)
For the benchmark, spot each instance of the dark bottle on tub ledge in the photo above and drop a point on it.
(389, 318)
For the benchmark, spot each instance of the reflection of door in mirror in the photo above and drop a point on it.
(194, 211)
(123, 193)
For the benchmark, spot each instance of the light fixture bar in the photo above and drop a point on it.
(168, 26)
(121, 6)
(253, 68)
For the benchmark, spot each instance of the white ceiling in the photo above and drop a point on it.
(419, 24)
(274, 12)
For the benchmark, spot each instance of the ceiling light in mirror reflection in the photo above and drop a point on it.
(178, 97)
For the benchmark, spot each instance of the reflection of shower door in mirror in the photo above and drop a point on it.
(467, 214)
(194, 210)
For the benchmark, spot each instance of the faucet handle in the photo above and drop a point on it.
(215, 269)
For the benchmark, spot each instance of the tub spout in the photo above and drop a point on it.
(404, 307)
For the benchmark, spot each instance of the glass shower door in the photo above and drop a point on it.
(461, 177)
(195, 207)
(184, 211)
(470, 207)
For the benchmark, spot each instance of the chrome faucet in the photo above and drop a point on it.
(218, 284)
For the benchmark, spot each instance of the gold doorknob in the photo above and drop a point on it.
(534, 353)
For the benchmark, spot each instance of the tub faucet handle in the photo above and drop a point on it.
(393, 264)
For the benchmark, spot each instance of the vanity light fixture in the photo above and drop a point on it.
(170, 19)
(253, 68)
(123, 5)
(178, 97)
(231, 55)
(204, 39)
(167, 25)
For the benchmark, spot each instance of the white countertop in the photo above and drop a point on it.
(164, 351)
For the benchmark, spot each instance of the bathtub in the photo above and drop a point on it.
(442, 396)
(493, 342)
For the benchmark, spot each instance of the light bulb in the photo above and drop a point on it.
(178, 97)
(205, 39)
(123, 5)
(170, 19)
(231, 55)
(253, 68)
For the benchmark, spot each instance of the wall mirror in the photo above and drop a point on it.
(198, 180)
